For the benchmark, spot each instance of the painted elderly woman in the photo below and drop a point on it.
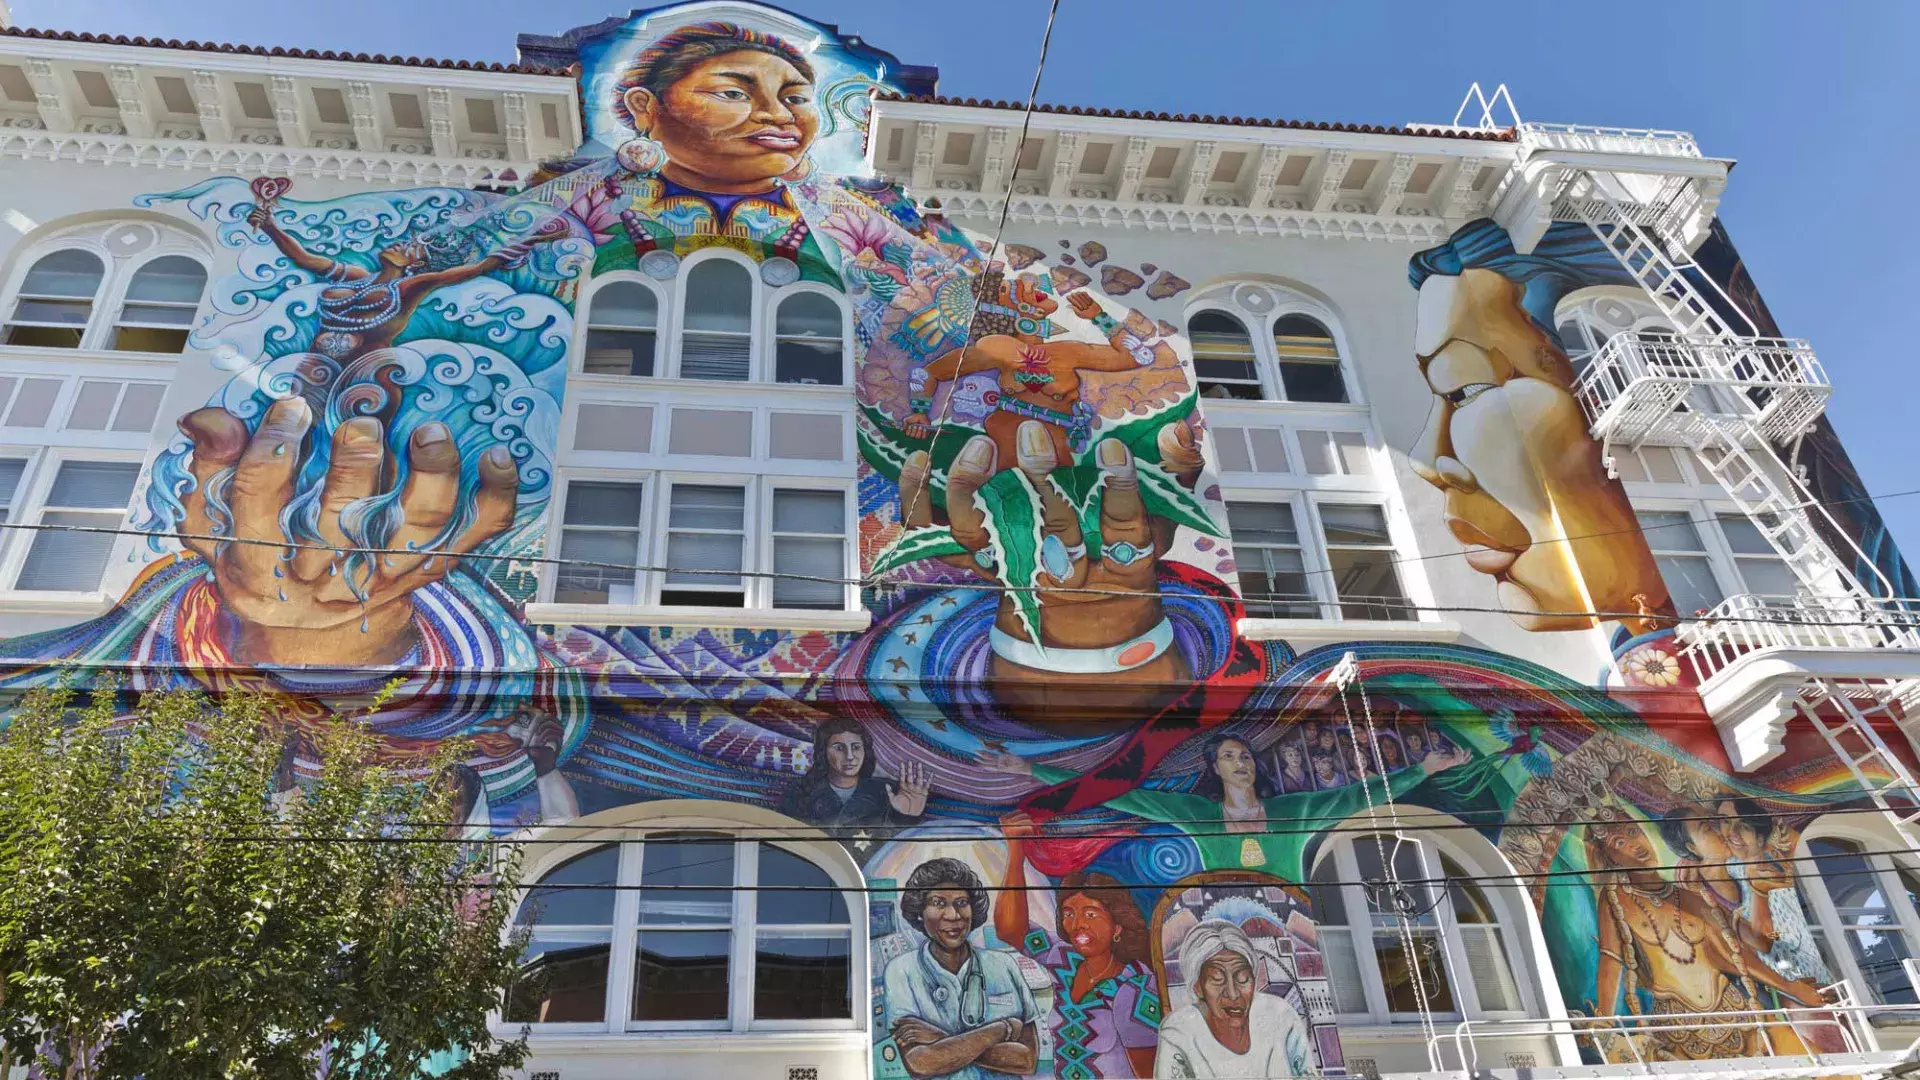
(1107, 1002)
(1233, 1028)
(956, 1011)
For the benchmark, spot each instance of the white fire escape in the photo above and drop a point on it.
(1843, 653)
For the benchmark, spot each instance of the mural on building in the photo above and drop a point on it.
(1053, 678)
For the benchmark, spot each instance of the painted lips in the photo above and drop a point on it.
(1483, 552)
(776, 140)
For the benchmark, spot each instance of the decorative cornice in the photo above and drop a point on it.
(1167, 217)
(414, 169)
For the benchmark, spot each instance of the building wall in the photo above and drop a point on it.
(1136, 753)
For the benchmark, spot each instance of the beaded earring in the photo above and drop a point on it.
(641, 155)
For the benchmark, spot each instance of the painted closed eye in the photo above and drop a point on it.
(1466, 393)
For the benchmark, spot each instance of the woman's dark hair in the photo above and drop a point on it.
(1134, 943)
(1210, 785)
(1673, 829)
(815, 778)
(931, 875)
(1753, 816)
(668, 60)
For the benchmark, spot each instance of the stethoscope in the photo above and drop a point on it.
(973, 994)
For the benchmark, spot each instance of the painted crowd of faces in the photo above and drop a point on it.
(1316, 755)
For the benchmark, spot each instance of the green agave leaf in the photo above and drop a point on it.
(1166, 498)
(1012, 508)
(1140, 433)
(915, 545)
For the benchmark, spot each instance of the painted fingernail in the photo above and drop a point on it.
(977, 454)
(1114, 452)
(360, 429)
(431, 435)
(1034, 440)
(497, 457)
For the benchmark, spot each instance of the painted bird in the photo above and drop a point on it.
(1527, 747)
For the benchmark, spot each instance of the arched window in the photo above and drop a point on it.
(807, 340)
(160, 303)
(1861, 909)
(716, 341)
(1309, 361)
(1223, 356)
(1462, 941)
(56, 300)
(720, 934)
(622, 325)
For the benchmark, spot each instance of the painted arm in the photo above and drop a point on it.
(1612, 965)
(421, 284)
(319, 265)
(1344, 801)
(987, 354)
(1010, 907)
(1019, 1056)
(1162, 806)
(1086, 357)
(926, 1056)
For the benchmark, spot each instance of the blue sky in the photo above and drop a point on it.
(1814, 101)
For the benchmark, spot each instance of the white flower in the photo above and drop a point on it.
(1651, 665)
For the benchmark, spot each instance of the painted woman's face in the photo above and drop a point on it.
(1225, 989)
(1625, 844)
(948, 916)
(733, 123)
(1290, 756)
(1233, 763)
(846, 752)
(1088, 924)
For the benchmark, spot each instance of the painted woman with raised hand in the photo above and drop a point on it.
(1227, 817)
(1106, 1006)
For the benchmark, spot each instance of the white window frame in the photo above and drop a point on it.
(756, 319)
(110, 297)
(1306, 503)
(30, 502)
(744, 927)
(1721, 558)
(1265, 375)
(662, 308)
(1518, 935)
(1819, 902)
(770, 334)
(1279, 301)
(757, 558)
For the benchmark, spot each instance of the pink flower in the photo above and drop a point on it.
(856, 232)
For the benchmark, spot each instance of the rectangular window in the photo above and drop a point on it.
(1683, 560)
(1272, 564)
(601, 524)
(11, 470)
(1360, 556)
(85, 493)
(562, 978)
(809, 538)
(1390, 948)
(1762, 570)
(684, 952)
(706, 546)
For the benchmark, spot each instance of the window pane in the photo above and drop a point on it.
(597, 503)
(811, 559)
(1343, 969)
(1669, 530)
(1690, 582)
(1492, 972)
(1223, 356)
(1309, 362)
(821, 904)
(618, 352)
(104, 484)
(1767, 577)
(718, 357)
(1470, 904)
(149, 339)
(1406, 866)
(1743, 535)
(625, 304)
(139, 407)
(1367, 584)
(44, 337)
(1354, 524)
(560, 981)
(686, 881)
(72, 273)
(801, 978)
(1329, 905)
(1263, 523)
(812, 362)
(11, 470)
(68, 562)
(809, 512)
(60, 312)
(808, 315)
(573, 584)
(1397, 974)
(578, 892)
(681, 975)
(171, 279)
(706, 506)
(719, 297)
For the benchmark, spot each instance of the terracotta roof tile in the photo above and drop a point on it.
(1504, 135)
(257, 50)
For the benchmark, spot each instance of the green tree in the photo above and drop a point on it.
(174, 904)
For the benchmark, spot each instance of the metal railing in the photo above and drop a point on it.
(1747, 623)
(1635, 382)
(1608, 140)
(1618, 1040)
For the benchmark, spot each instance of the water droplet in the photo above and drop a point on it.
(283, 595)
(333, 569)
(363, 624)
(277, 573)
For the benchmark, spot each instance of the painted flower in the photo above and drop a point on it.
(1651, 665)
(857, 232)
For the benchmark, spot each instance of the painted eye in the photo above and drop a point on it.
(730, 95)
(1466, 393)
(798, 99)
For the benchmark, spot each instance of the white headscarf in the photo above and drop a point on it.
(1209, 939)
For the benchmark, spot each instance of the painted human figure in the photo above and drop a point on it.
(840, 788)
(1107, 1003)
(1293, 767)
(1508, 446)
(1228, 814)
(956, 1012)
(1665, 940)
(1234, 1029)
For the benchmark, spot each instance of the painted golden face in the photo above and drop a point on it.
(1509, 446)
(734, 123)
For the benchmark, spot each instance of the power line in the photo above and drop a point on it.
(999, 232)
(1895, 617)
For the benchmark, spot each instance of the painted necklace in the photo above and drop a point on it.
(343, 314)
(1685, 951)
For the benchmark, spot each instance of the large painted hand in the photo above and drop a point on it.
(909, 796)
(296, 607)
